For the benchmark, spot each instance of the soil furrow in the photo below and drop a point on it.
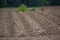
(50, 17)
(7, 24)
(51, 28)
(36, 27)
(19, 27)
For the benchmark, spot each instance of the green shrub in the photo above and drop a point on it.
(22, 8)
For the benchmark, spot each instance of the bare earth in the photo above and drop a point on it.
(34, 25)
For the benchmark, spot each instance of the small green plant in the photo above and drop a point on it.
(22, 8)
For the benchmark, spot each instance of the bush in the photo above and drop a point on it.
(22, 8)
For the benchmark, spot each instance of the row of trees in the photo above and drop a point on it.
(29, 3)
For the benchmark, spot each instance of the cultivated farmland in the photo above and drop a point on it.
(34, 25)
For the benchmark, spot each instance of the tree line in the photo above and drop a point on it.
(29, 3)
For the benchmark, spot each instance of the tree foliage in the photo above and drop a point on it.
(29, 3)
